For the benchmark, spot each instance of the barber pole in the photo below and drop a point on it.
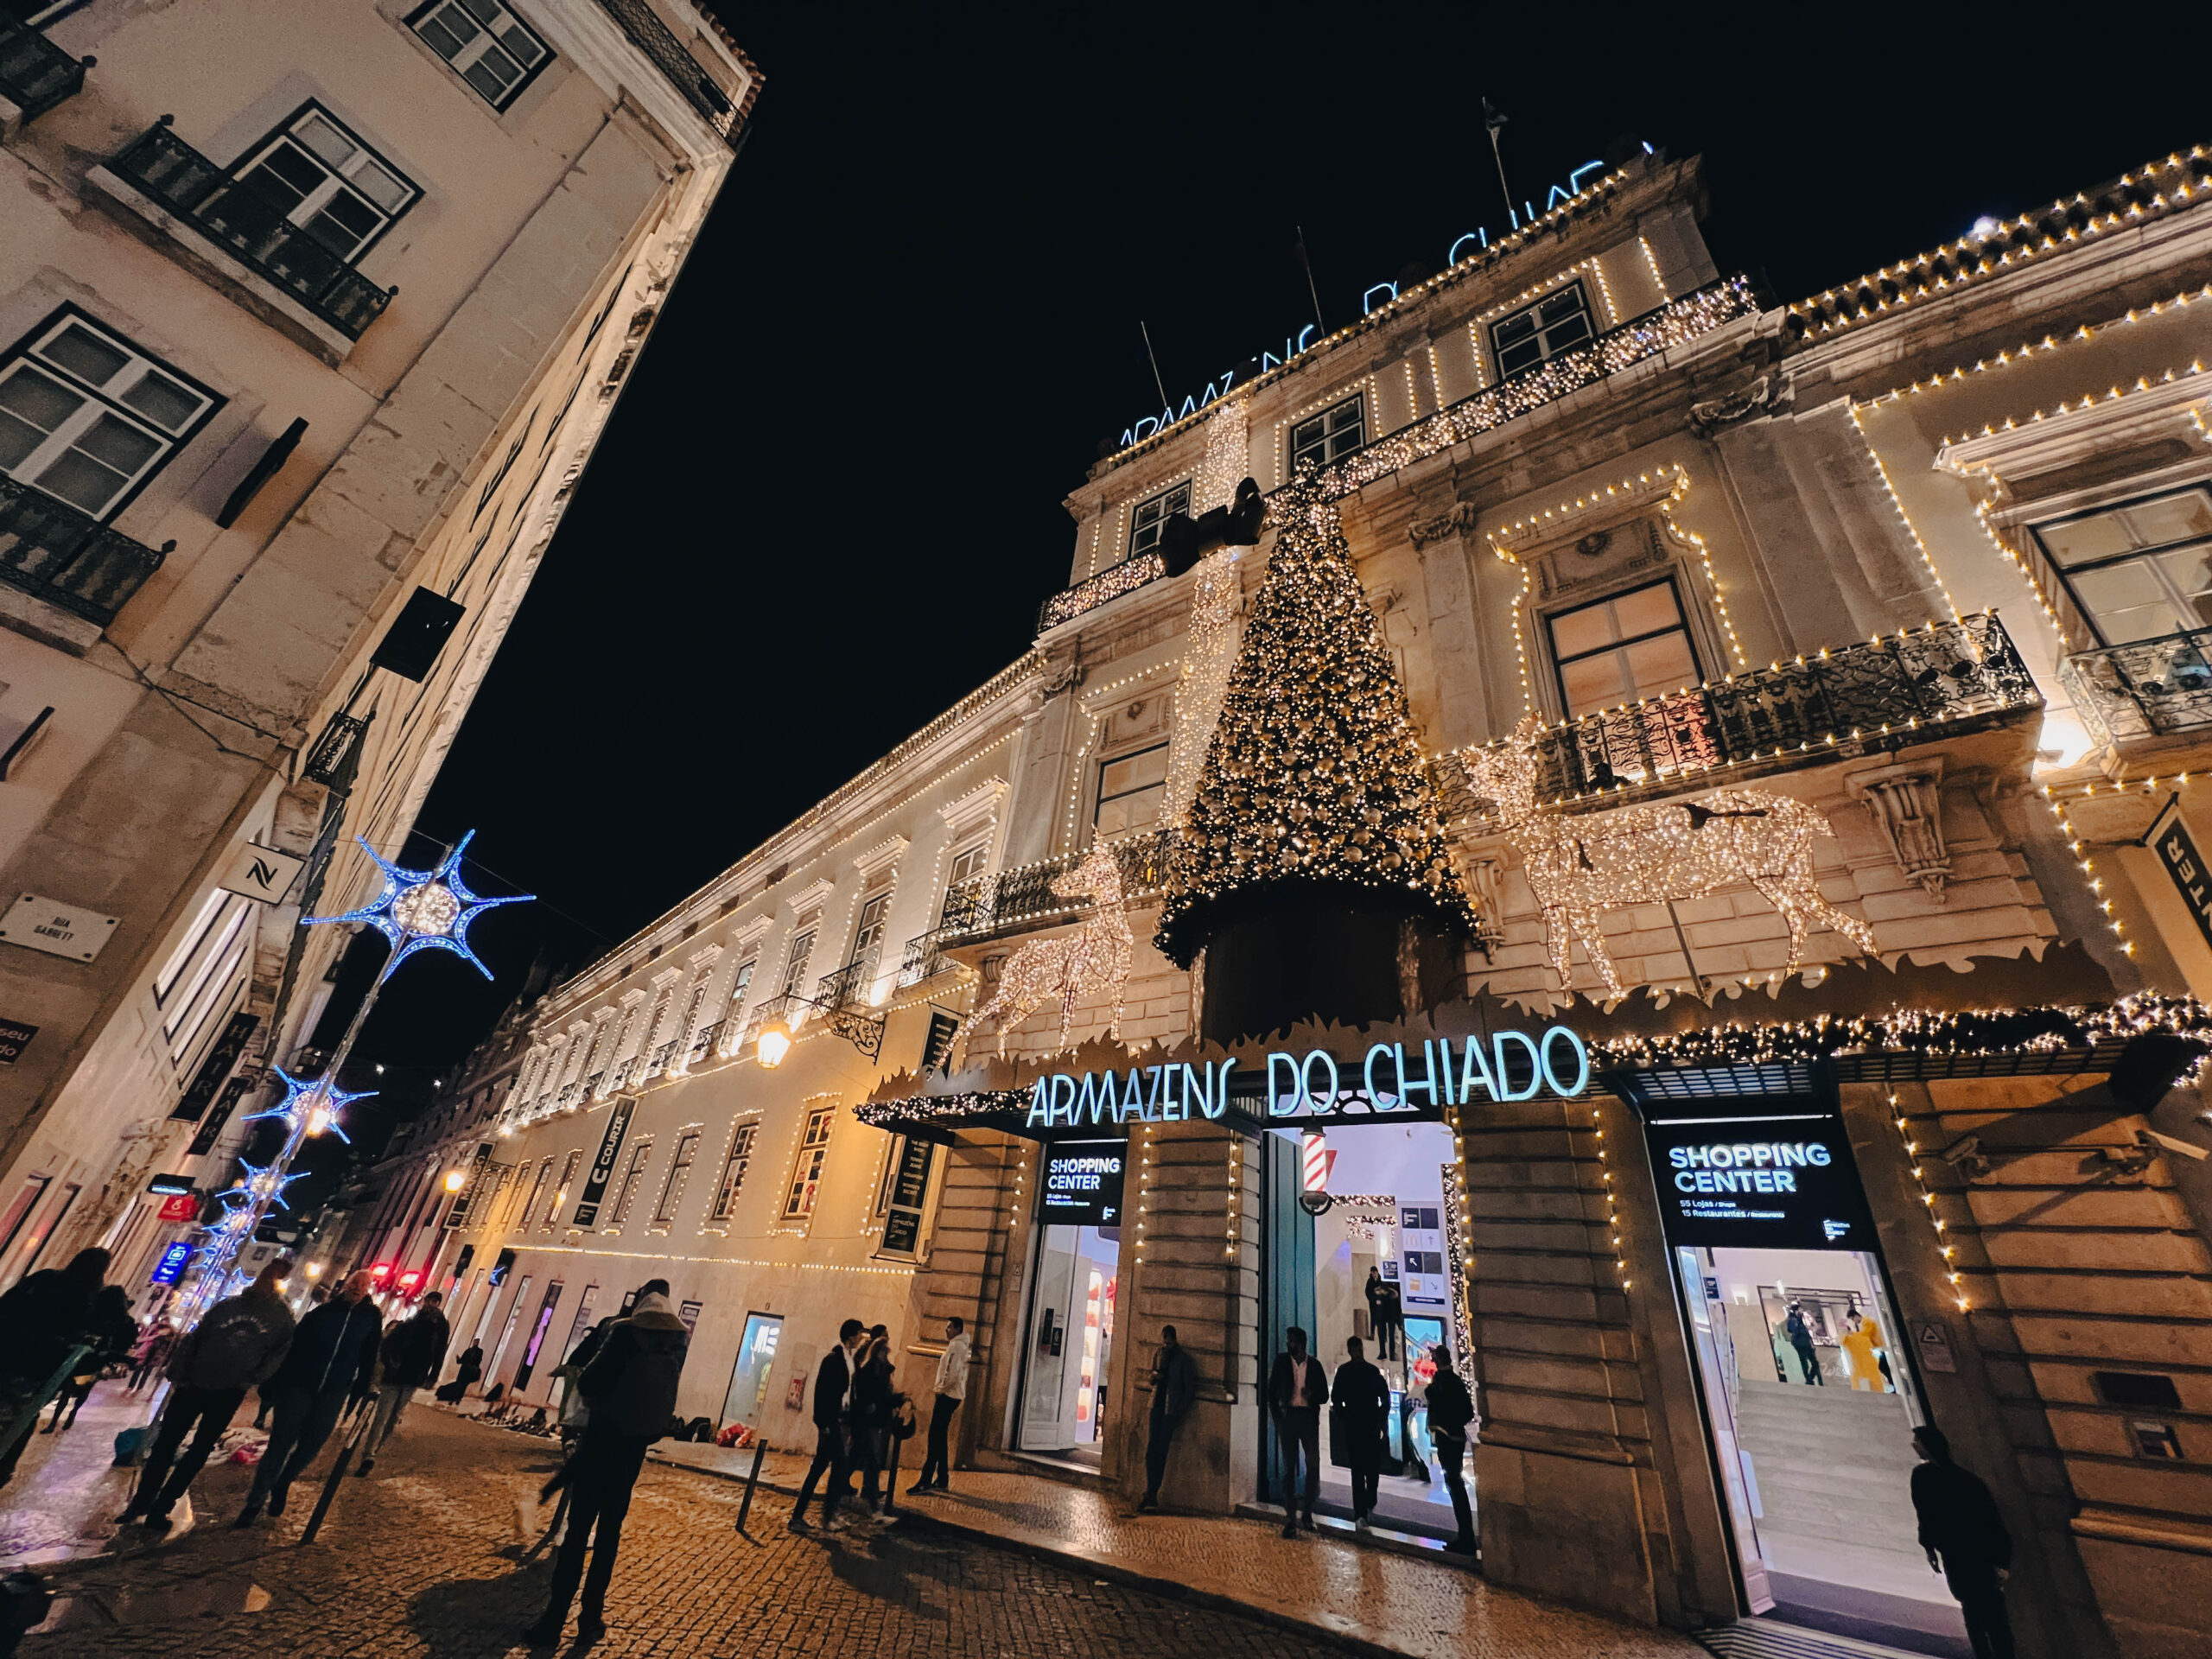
(1319, 1161)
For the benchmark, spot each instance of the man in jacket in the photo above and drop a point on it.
(833, 1387)
(41, 1321)
(631, 1386)
(1451, 1408)
(1174, 1385)
(1296, 1389)
(333, 1362)
(951, 1389)
(1966, 1541)
(237, 1342)
(1365, 1398)
(413, 1356)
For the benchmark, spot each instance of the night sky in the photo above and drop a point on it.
(829, 503)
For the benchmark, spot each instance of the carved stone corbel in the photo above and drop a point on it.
(1906, 804)
(1461, 518)
(1768, 395)
(1486, 886)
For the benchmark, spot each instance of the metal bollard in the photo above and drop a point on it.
(752, 1480)
(362, 1420)
(891, 1477)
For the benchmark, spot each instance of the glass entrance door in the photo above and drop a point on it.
(1070, 1341)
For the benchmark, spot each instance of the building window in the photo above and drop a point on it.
(537, 1191)
(560, 1193)
(868, 937)
(314, 174)
(2141, 571)
(671, 1187)
(1634, 645)
(1130, 788)
(802, 952)
(88, 417)
(733, 1168)
(1335, 431)
(806, 1174)
(632, 1176)
(1538, 333)
(493, 50)
(1153, 516)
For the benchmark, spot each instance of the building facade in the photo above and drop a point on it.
(306, 329)
(1808, 698)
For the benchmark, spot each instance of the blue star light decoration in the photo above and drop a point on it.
(424, 909)
(262, 1182)
(320, 1115)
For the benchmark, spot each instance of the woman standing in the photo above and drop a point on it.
(874, 1399)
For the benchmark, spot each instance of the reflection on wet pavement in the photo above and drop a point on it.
(67, 1492)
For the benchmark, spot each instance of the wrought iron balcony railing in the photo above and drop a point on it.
(2147, 689)
(924, 961)
(336, 755)
(1660, 329)
(1956, 676)
(34, 73)
(703, 1043)
(69, 558)
(652, 36)
(849, 987)
(1016, 900)
(252, 229)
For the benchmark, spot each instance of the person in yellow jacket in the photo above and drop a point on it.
(1859, 1343)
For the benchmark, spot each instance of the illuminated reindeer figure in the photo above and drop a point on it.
(1581, 867)
(1096, 956)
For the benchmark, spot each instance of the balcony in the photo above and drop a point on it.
(1952, 678)
(336, 755)
(922, 961)
(849, 986)
(72, 561)
(652, 36)
(178, 180)
(702, 1045)
(2148, 690)
(34, 73)
(1657, 331)
(1021, 900)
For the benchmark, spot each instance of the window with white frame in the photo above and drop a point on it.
(806, 1172)
(560, 1193)
(671, 1187)
(801, 953)
(1130, 789)
(314, 174)
(487, 42)
(1153, 516)
(1539, 332)
(733, 1168)
(633, 1173)
(1633, 645)
(537, 1191)
(867, 933)
(88, 417)
(2141, 571)
(203, 982)
(687, 1034)
(1336, 430)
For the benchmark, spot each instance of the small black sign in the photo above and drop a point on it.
(15, 1038)
(459, 1212)
(2177, 850)
(602, 1167)
(211, 1126)
(215, 1068)
(169, 1185)
(1779, 1177)
(1083, 1183)
(910, 1186)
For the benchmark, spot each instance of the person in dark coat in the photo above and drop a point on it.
(239, 1342)
(41, 1320)
(631, 1386)
(1450, 1409)
(1365, 1397)
(1175, 1386)
(1966, 1541)
(875, 1398)
(1297, 1389)
(1386, 1315)
(1801, 1339)
(469, 1371)
(112, 1331)
(414, 1353)
(579, 1361)
(333, 1363)
(833, 1382)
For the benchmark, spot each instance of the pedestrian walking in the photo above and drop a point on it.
(109, 1331)
(237, 1342)
(151, 1352)
(1801, 1339)
(630, 1387)
(1297, 1388)
(876, 1402)
(333, 1364)
(467, 1372)
(1450, 1409)
(414, 1353)
(833, 1382)
(1967, 1542)
(1386, 1316)
(41, 1321)
(1175, 1386)
(1364, 1398)
(572, 1369)
(951, 1388)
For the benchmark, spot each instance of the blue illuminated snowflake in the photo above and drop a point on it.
(424, 909)
(299, 1097)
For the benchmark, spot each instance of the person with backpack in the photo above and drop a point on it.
(42, 1323)
(414, 1353)
(239, 1342)
(630, 1387)
(333, 1363)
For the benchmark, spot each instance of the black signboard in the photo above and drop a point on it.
(215, 1068)
(2192, 878)
(602, 1167)
(169, 1185)
(1778, 1176)
(909, 1186)
(459, 1212)
(1082, 1183)
(212, 1125)
(15, 1038)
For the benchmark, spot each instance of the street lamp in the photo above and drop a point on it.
(455, 1179)
(774, 1039)
(772, 1044)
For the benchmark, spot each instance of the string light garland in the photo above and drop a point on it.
(1209, 637)
(1093, 960)
(1233, 1237)
(2077, 846)
(1928, 1203)
(1614, 1229)
(1896, 503)
(1314, 776)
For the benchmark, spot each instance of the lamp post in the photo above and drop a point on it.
(771, 1040)
(415, 910)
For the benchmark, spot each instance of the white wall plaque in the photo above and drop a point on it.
(57, 929)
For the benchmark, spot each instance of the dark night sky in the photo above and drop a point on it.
(830, 500)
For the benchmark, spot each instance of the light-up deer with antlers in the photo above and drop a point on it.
(1095, 958)
(1581, 867)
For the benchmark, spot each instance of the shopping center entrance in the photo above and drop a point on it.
(1067, 1366)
